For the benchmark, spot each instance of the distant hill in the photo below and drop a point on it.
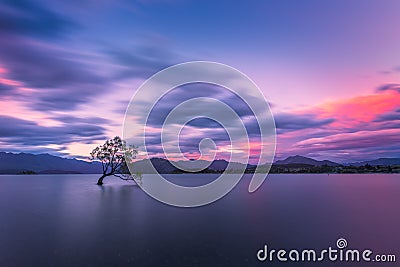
(165, 166)
(11, 163)
(376, 162)
(161, 165)
(304, 160)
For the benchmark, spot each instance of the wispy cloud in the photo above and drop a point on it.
(361, 125)
(140, 61)
(29, 133)
(291, 122)
(67, 70)
(24, 17)
(390, 86)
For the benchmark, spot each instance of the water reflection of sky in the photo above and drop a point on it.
(67, 220)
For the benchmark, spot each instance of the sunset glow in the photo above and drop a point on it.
(65, 81)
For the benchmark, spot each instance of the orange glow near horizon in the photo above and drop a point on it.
(354, 126)
(360, 108)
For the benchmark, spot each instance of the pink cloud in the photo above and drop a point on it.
(354, 133)
(361, 139)
(360, 108)
(10, 82)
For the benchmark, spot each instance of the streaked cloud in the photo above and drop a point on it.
(291, 122)
(25, 17)
(23, 134)
(390, 86)
(67, 70)
(361, 125)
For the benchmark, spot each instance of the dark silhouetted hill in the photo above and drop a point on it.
(25, 163)
(304, 160)
(11, 163)
(378, 162)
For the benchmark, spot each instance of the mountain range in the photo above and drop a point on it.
(165, 166)
(380, 161)
(11, 163)
(309, 161)
(304, 160)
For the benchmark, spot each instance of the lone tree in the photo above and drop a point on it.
(113, 155)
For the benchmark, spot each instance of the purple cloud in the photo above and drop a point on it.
(27, 133)
(25, 17)
(141, 61)
(389, 86)
(286, 122)
(389, 116)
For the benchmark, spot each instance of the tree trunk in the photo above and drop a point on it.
(100, 181)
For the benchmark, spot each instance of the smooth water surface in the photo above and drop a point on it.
(66, 220)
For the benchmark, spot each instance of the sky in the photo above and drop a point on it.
(329, 69)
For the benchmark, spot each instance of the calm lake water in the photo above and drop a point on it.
(66, 220)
